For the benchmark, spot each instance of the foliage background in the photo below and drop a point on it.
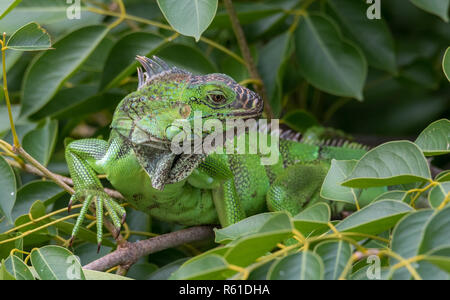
(321, 63)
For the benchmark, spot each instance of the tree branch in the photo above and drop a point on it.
(261, 89)
(129, 253)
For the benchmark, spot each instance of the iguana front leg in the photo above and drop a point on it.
(226, 200)
(85, 159)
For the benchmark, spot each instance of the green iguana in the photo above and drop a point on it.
(192, 189)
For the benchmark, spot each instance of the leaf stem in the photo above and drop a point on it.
(166, 27)
(39, 228)
(122, 15)
(420, 191)
(5, 90)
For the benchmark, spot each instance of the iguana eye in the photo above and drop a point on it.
(217, 98)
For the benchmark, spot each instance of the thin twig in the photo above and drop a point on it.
(33, 170)
(20, 151)
(245, 50)
(63, 182)
(129, 253)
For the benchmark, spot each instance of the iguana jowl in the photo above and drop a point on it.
(191, 189)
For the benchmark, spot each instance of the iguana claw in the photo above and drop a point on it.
(101, 200)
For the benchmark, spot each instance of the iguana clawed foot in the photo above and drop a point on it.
(101, 200)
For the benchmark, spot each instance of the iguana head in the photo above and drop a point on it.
(149, 118)
(166, 94)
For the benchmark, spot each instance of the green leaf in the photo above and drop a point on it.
(443, 176)
(30, 37)
(121, 61)
(440, 258)
(260, 273)
(406, 238)
(271, 65)
(438, 194)
(247, 226)
(305, 265)
(335, 256)
(6, 248)
(209, 267)
(8, 189)
(246, 250)
(166, 271)
(319, 212)
(18, 268)
(142, 271)
(189, 18)
(430, 271)
(56, 263)
(420, 73)
(83, 234)
(395, 195)
(87, 252)
(392, 195)
(446, 63)
(6, 6)
(51, 13)
(187, 57)
(220, 251)
(233, 68)
(50, 70)
(4, 274)
(392, 163)
(437, 235)
(46, 191)
(40, 142)
(300, 120)
(78, 101)
(435, 139)
(437, 7)
(37, 210)
(362, 274)
(373, 36)
(313, 220)
(63, 103)
(327, 61)
(248, 13)
(333, 190)
(374, 218)
(96, 275)
(11, 59)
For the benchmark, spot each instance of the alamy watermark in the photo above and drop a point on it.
(74, 270)
(374, 10)
(226, 137)
(73, 11)
(374, 269)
